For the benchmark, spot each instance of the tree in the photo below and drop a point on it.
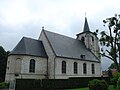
(3, 63)
(112, 66)
(111, 39)
(110, 73)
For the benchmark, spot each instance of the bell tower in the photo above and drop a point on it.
(89, 39)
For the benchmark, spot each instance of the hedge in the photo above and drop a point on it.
(44, 84)
(98, 85)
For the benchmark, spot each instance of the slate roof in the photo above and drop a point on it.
(68, 47)
(86, 26)
(28, 46)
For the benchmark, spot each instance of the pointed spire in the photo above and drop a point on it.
(86, 26)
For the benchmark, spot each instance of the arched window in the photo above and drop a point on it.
(93, 68)
(83, 39)
(32, 65)
(92, 39)
(75, 67)
(84, 68)
(63, 66)
(18, 65)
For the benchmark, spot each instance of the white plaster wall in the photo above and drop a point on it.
(50, 53)
(40, 67)
(87, 42)
(40, 63)
(70, 72)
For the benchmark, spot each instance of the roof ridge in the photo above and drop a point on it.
(59, 34)
(29, 38)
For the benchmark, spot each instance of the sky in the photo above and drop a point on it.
(25, 18)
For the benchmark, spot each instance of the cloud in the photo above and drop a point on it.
(20, 18)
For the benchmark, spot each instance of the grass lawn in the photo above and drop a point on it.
(79, 89)
(111, 87)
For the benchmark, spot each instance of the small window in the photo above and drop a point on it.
(83, 39)
(82, 56)
(92, 39)
(93, 68)
(64, 67)
(32, 65)
(75, 67)
(84, 68)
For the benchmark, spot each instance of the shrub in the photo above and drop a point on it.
(118, 84)
(97, 85)
(4, 85)
(115, 79)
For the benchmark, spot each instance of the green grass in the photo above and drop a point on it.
(79, 89)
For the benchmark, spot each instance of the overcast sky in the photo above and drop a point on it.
(20, 18)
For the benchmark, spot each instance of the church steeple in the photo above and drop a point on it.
(89, 39)
(86, 26)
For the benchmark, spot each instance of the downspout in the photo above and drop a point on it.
(54, 66)
(47, 76)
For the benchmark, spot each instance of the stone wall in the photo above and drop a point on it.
(22, 71)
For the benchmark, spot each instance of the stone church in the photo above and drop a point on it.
(55, 56)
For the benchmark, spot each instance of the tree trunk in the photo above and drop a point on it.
(118, 66)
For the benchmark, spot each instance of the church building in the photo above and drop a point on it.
(55, 56)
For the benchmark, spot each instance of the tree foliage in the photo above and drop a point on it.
(96, 84)
(112, 66)
(115, 79)
(110, 39)
(3, 63)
